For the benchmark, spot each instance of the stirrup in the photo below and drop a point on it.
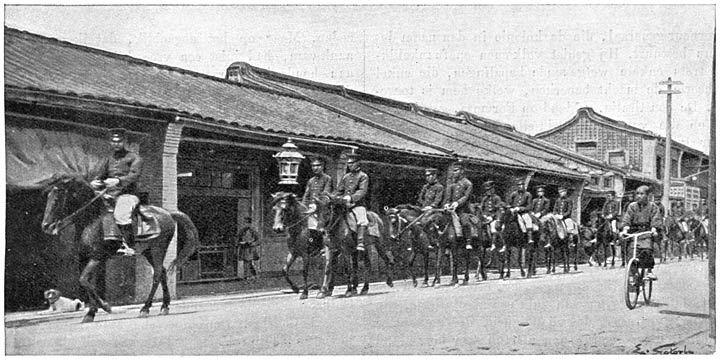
(502, 249)
(468, 246)
(548, 245)
(594, 241)
(126, 250)
(360, 247)
(492, 248)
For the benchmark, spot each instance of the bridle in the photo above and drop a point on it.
(63, 223)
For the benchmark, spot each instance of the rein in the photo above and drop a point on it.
(67, 219)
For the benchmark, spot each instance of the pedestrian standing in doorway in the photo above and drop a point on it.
(249, 242)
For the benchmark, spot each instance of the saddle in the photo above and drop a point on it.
(373, 228)
(145, 225)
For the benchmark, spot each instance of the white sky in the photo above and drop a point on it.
(530, 66)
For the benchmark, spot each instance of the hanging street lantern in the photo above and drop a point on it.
(289, 163)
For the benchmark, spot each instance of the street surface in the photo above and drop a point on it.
(580, 312)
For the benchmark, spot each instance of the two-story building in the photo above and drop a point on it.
(639, 152)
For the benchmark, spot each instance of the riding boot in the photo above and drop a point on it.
(361, 238)
(128, 240)
(468, 243)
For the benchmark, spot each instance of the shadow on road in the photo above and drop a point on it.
(685, 314)
(138, 318)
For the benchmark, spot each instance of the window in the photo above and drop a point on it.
(616, 158)
(658, 167)
(673, 168)
(595, 180)
(203, 177)
(587, 148)
(608, 182)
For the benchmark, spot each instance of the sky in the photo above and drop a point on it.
(531, 66)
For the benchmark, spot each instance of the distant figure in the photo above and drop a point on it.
(249, 241)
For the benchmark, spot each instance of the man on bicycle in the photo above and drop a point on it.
(643, 215)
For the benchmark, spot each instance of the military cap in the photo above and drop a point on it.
(489, 185)
(540, 188)
(644, 188)
(563, 188)
(117, 134)
(458, 164)
(612, 192)
(318, 161)
(353, 156)
(430, 171)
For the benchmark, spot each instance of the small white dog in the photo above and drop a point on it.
(60, 304)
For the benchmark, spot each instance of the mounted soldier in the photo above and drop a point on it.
(457, 201)
(319, 183)
(563, 212)
(119, 176)
(540, 209)
(520, 202)
(431, 194)
(489, 207)
(353, 189)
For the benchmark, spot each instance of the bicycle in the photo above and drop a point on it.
(635, 280)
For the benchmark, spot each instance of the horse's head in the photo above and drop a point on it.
(397, 218)
(282, 204)
(64, 193)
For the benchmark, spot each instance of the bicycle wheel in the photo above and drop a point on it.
(632, 284)
(646, 288)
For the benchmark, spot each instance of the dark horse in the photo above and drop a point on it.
(676, 237)
(552, 228)
(606, 239)
(513, 237)
(290, 215)
(404, 225)
(343, 235)
(68, 193)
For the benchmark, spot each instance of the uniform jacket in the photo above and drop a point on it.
(431, 195)
(541, 205)
(126, 167)
(489, 205)
(355, 185)
(317, 185)
(611, 207)
(459, 192)
(521, 199)
(642, 217)
(564, 207)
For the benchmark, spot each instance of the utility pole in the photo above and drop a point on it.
(668, 140)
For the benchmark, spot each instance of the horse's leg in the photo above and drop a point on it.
(154, 257)
(87, 277)
(327, 273)
(389, 263)
(426, 264)
(438, 264)
(366, 271)
(522, 253)
(286, 271)
(454, 261)
(305, 269)
(410, 269)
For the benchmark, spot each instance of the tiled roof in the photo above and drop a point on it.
(40, 63)
(607, 121)
(450, 134)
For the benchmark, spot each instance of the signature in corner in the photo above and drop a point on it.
(671, 348)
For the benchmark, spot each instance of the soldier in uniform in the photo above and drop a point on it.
(119, 174)
(540, 209)
(563, 212)
(489, 206)
(353, 188)
(457, 196)
(520, 202)
(319, 183)
(641, 216)
(431, 194)
(611, 211)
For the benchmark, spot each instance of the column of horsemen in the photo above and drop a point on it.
(476, 224)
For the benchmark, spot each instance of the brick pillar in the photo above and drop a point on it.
(143, 271)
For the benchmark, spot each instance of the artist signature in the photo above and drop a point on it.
(663, 349)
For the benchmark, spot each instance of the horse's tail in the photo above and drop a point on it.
(191, 236)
